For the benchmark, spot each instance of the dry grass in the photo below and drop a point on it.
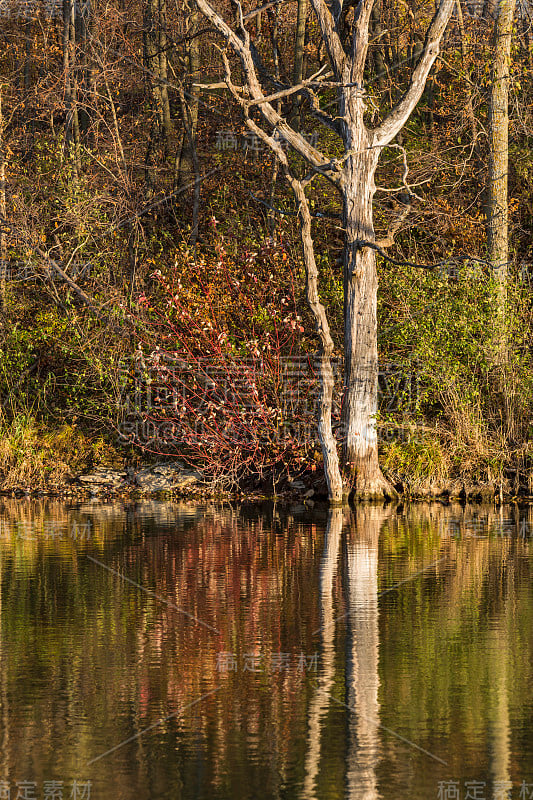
(31, 456)
(464, 449)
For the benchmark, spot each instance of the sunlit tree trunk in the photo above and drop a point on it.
(360, 402)
(363, 147)
(299, 55)
(72, 133)
(497, 204)
(360, 319)
(3, 240)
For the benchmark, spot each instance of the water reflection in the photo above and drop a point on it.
(422, 621)
(361, 533)
(321, 697)
(362, 652)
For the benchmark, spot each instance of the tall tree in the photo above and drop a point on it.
(497, 200)
(353, 177)
(155, 41)
(187, 166)
(191, 64)
(72, 133)
(3, 238)
(299, 54)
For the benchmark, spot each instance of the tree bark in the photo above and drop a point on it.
(163, 72)
(155, 57)
(377, 52)
(299, 57)
(186, 163)
(325, 432)
(3, 238)
(497, 202)
(360, 404)
(72, 133)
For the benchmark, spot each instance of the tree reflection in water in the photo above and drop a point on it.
(361, 533)
(444, 661)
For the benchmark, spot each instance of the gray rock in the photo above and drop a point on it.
(156, 478)
(297, 485)
(165, 477)
(102, 478)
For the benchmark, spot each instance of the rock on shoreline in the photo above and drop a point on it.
(163, 477)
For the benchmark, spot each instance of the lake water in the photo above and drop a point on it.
(166, 650)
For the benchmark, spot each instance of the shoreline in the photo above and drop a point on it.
(174, 480)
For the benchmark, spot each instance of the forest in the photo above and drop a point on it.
(284, 241)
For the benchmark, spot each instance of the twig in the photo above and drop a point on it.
(430, 267)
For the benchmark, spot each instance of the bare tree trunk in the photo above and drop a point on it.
(525, 33)
(299, 57)
(464, 55)
(377, 32)
(299, 42)
(360, 402)
(73, 86)
(186, 170)
(152, 66)
(85, 22)
(325, 432)
(417, 41)
(497, 205)
(28, 116)
(155, 41)
(192, 170)
(163, 72)
(3, 242)
(360, 405)
(72, 132)
(363, 147)
(489, 9)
